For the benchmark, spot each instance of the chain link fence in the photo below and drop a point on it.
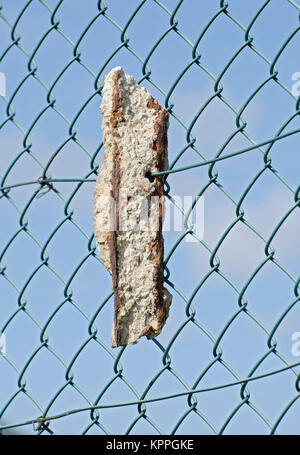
(226, 361)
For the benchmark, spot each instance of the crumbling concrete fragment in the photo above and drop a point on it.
(128, 207)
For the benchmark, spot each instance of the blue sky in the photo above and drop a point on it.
(268, 294)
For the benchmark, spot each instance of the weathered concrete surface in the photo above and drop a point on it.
(135, 140)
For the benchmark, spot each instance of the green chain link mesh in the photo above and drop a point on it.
(45, 392)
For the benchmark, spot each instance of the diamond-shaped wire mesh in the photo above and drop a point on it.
(224, 362)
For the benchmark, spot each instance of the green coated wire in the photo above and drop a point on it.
(154, 399)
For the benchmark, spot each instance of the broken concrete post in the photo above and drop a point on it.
(128, 207)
